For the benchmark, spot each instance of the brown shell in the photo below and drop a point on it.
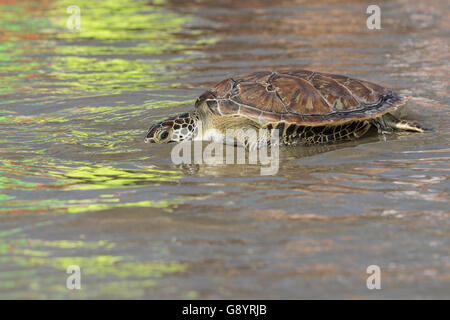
(300, 96)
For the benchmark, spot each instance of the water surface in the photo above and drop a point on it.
(79, 187)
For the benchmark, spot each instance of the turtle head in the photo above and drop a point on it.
(175, 129)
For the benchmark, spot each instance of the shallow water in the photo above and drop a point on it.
(79, 187)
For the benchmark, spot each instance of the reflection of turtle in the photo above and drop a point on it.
(305, 106)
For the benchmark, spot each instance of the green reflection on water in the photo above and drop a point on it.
(80, 178)
(114, 20)
(97, 177)
(104, 271)
(122, 45)
(117, 113)
(76, 207)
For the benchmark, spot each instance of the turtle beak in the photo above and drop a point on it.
(149, 136)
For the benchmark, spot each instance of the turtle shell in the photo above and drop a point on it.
(299, 96)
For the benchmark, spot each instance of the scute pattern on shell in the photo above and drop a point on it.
(300, 96)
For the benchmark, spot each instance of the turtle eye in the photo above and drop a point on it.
(162, 136)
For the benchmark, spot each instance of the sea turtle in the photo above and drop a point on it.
(305, 106)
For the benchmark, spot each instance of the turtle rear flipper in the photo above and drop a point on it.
(402, 125)
(388, 123)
